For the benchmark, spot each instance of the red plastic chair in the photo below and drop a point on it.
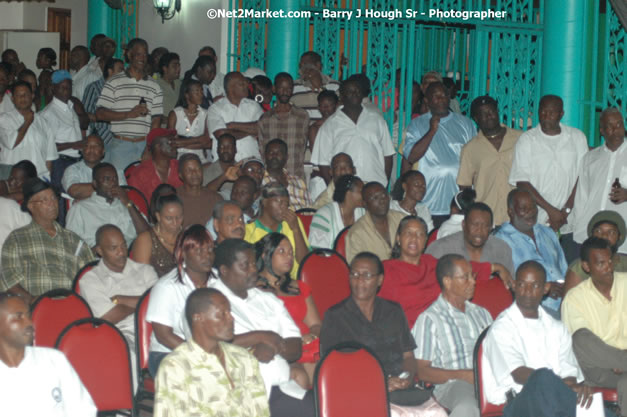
(493, 296)
(86, 268)
(326, 273)
(137, 198)
(128, 171)
(433, 236)
(610, 395)
(53, 311)
(99, 354)
(335, 391)
(486, 409)
(340, 242)
(306, 216)
(143, 331)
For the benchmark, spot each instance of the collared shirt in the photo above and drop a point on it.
(36, 146)
(494, 250)
(599, 169)
(90, 98)
(94, 64)
(585, 307)
(44, 384)
(514, 341)
(222, 112)
(551, 164)
(307, 99)
(170, 95)
(167, 306)
(487, 169)
(192, 382)
(86, 216)
(446, 336)
(80, 173)
(327, 223)
(364, 236)
(293, 128)
(82, 78)
(123, 92)
(217, 85)
(62, 124)
(6, 104)
(12, 218)
(387, 334)
(296, 188)
(146, 179)
(367, 142)
(546, 250)
(39, 262)
(422, 211)
(256, 230)
(325, 197)
(100, 283)
(262, 311)
(452, 225)
(196, 128)
(440, 163)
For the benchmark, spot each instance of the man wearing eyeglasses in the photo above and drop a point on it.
(446, 334)
(42, 255)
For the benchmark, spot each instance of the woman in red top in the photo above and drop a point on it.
(275, 258)
(410, 275)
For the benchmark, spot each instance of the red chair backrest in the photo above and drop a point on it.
(336, 393)
(99, 354)
(137, 198)
(143, 331)
(340, 242)
(128, 171)
(326, 273)
(486, 409)
(493, 296)
(86, 268)
(53, 311)
(433, 236)
(306, 216)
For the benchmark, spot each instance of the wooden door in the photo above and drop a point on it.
(60, 20)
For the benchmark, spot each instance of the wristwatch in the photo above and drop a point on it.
(567, 210)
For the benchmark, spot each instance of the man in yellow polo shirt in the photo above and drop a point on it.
(275, 216)
(595, 312)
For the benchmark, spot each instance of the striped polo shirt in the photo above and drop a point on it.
(123, 92)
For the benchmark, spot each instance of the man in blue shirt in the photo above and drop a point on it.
(532, 241)
(436, 139)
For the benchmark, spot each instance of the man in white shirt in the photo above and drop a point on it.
(83, 75)
(35, 381)
(359, 132)
(24, 134)
(5, 97)
(113, 287)
(236, 115)
(108, 204)
(62, 125)
(216, 86)
(528, 360)
(600, 168)
(12, 218)
(263, 325)
(546, 163)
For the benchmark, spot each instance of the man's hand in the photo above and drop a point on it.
(79, 145)
(29, 117)
(395, 383)
(584, 394)
(139, 110)
(120, 193)
(434, 123)
(308, 338)
(314, 77)
(232, 172)
(504, 275)
(556, 290)
(557, 219)
(292, 219)
(618, 195)
(264, 353)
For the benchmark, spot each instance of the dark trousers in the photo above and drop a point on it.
(282, 405)
(154, 359)
(58, 168)
(543, 395)
(570, 247)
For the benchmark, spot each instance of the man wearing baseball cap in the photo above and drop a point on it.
(161, 168)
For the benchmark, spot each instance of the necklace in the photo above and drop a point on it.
(162, 239)
(495, 135)
(189, 113)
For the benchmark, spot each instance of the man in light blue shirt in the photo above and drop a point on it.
(435, 139)
(532, 241)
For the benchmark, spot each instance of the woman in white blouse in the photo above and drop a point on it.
(346, 209)
(407, 195)
(459, 205)
(190, 122)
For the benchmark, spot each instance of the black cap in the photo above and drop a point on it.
(480, 101)
(31, 187)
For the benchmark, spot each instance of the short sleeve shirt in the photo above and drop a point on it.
(62, 124)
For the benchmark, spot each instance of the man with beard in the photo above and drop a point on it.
(276, 155)
(220, 175)
(35, 381)
(531, 241)
(286, 122)
(109, 204)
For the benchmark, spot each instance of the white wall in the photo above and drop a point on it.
(186, 32)
(11, 16)
(36, 18)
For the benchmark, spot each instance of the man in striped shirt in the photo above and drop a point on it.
(133, 103)
(311, 82)
(446, 334)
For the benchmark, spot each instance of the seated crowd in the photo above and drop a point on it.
(198, 191)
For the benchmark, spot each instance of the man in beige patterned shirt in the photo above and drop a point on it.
(206, 375)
